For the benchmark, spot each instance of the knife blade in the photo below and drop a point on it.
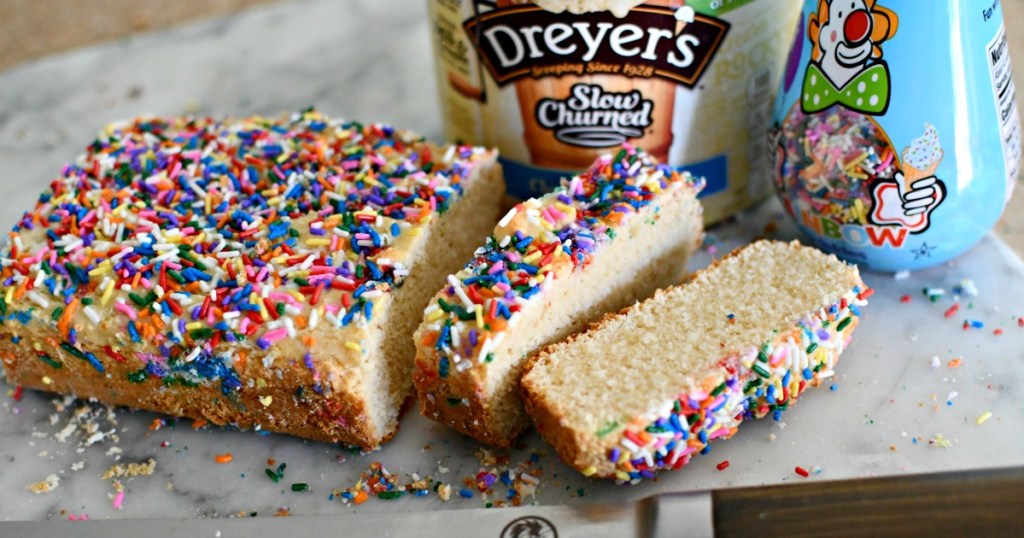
(968, 503)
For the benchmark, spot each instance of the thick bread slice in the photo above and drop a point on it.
(605, 239)
(267, 274)
(649, 387)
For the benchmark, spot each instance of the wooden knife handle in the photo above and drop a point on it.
(988, 502)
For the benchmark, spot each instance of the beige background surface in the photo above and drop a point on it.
(33, 28)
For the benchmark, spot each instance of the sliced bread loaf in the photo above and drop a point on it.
(608, 237)
(263, 273)
(651, 386)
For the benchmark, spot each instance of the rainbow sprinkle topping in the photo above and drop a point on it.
(761, 381)
(537, 241)
(195, 241)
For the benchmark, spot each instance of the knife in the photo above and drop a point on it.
(964, 503)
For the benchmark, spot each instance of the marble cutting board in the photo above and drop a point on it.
(891, 411)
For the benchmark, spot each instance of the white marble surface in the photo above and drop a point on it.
(370, 60)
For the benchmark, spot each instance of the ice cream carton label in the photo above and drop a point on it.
(556, 83)
(649, 41)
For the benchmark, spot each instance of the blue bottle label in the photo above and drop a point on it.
(896, 134)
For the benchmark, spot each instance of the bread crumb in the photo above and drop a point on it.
(486, 457)
(46, 485)
(130, 470)
(444, 492)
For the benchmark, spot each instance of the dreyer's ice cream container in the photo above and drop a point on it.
(555, 83)
(896, 137)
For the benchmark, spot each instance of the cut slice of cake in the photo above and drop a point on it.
(606, 238)
(649, 387)
(262, 273)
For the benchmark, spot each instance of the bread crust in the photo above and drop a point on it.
(471, 415)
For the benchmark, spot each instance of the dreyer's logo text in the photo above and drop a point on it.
(592, 117)
(650, 41)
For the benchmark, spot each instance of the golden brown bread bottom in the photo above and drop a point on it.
(333, 418)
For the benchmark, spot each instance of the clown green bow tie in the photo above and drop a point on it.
(868, 92)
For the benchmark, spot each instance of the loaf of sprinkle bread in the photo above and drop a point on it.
(648, 388)
(266, 274)
(606, 238)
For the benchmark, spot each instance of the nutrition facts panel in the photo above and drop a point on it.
(1006, 103)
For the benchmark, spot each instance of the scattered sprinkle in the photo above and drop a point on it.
(966, 288)
(983, 417)
(378, 482)
(275, 475)
(973, 324)
(118, 499)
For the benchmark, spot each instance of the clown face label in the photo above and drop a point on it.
(874, 153)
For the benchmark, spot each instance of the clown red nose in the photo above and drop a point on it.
(857, 27)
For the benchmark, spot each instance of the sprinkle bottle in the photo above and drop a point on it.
(896, 139)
